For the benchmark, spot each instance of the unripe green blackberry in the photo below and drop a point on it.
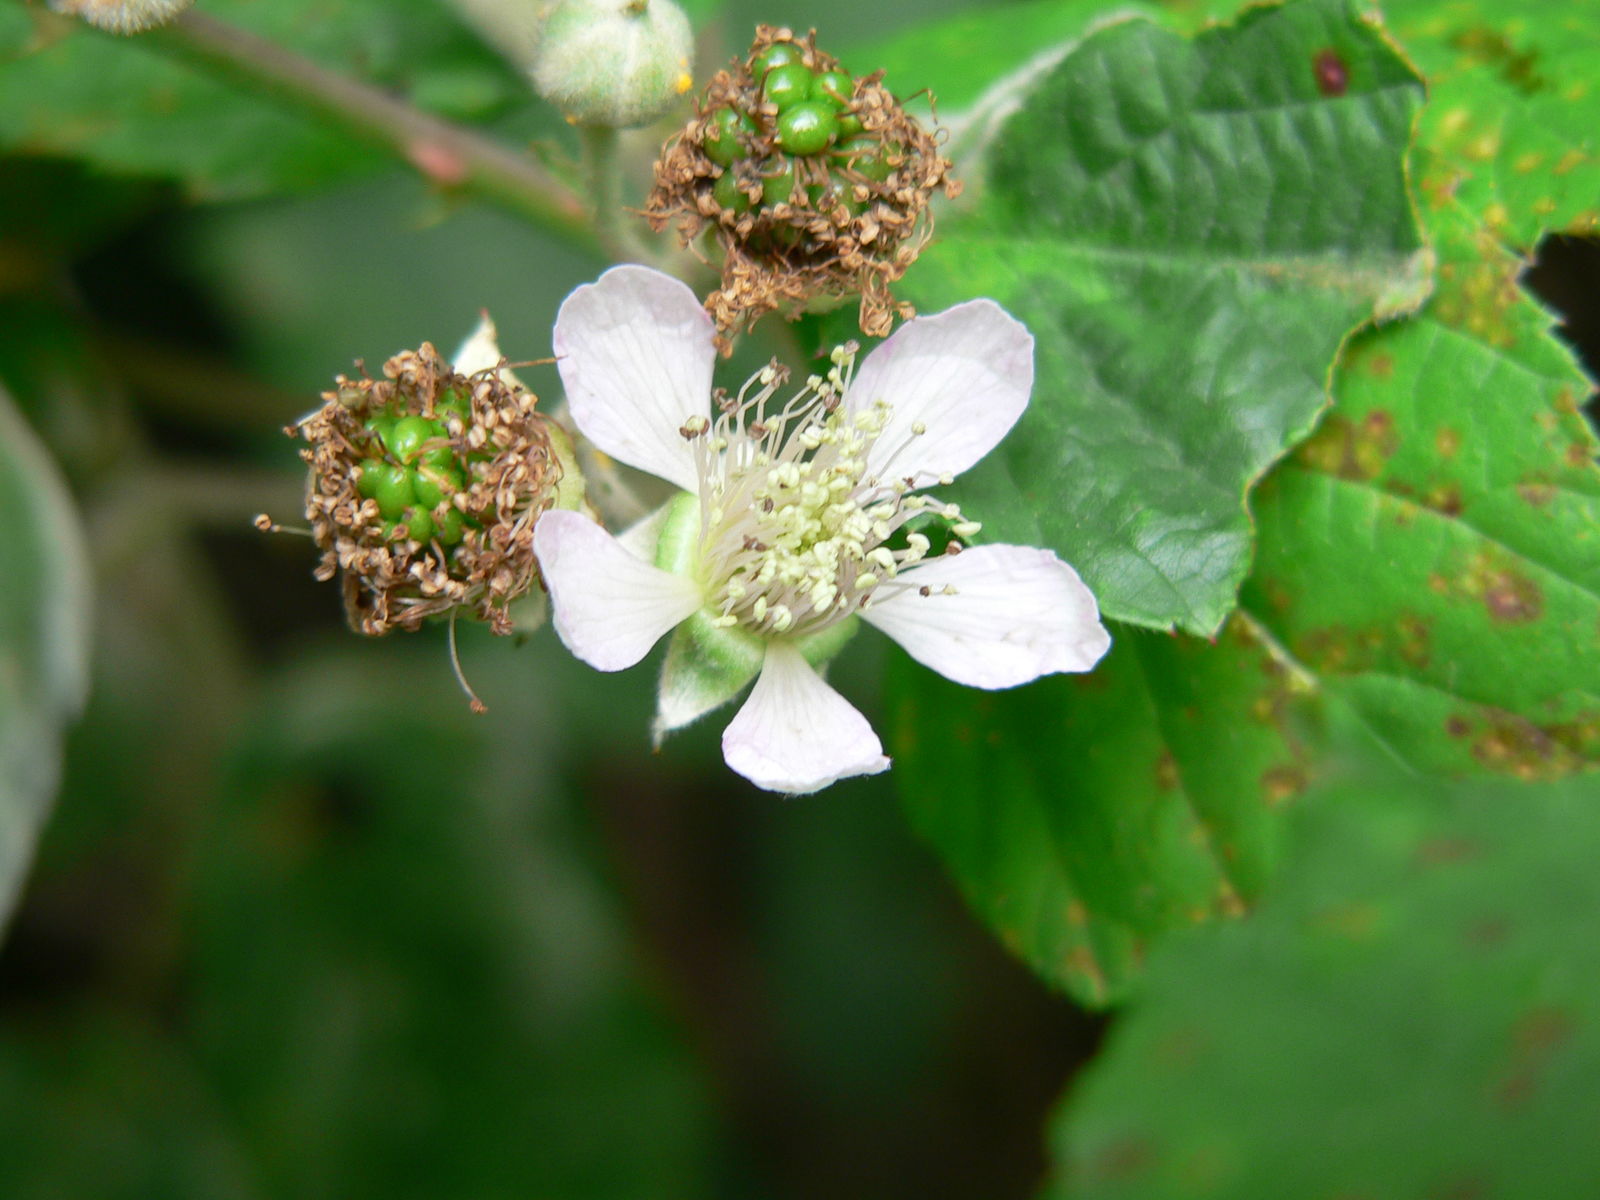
(845, 176)
(424, 489)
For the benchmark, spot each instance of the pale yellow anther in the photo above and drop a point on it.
(866, 580)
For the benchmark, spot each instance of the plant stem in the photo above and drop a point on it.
(603, 171)
(445, 153)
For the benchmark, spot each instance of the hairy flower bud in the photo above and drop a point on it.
(614, 62)
(123, 16)
(425, 487)
(815, 184)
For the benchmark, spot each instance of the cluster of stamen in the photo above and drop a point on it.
(794, 533)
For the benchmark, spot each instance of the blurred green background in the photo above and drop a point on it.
(301, 926)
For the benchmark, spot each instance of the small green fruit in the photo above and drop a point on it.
(826, 198)
(367, 480)
(865, 157)
(807, 127)
(418, 523)
(779, 54)
(406, 439)
(778, 183)
(449, 526)
(728, 195)
(721, 142)
(787, 85)
(833, 87)
(433, 484)
(394, 491)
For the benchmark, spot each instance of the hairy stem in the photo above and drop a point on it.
(603, 172)
(447, 154)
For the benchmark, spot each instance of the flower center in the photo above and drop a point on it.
(793, 525)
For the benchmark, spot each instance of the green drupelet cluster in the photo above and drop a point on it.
(413, 470)
(813, 117)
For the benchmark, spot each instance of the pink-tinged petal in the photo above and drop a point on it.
(1015, 613)
(962, 376)
(610, 607)
(635, 351)
(795, 734)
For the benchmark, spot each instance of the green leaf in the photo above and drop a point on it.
(1432, 555)
(44, 641)
(1190, 229)
(1511, 132)
(1412, 1013)
(960, 57)
(1084, 816)
(123, 104)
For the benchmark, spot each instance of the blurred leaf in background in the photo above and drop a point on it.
(1410, 1012)
(44, 641)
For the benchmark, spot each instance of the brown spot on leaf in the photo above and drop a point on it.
(1534, 1040)
(1281, 784)
(1569, 162)
(1082, 962)
(1350, 451)
(1229, 902)
(1513, 745)
(1491, 577)
(1487, 932)
(1446, 442)
(1479, 296)
(1331, 72)
(1580, 454)
(1436, 852)
(1381, 365)
(1413, 642)
(1536, 493)
(1513, 599)
(1444, 498)
(1166, 771)
(1519, 68)
(1457, 727)
(1122, 1158)
(1355, 921)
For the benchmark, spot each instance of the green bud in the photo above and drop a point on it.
(614, 62)
(123, 16)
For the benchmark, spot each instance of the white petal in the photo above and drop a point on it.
(796, 734)
(1016, 613)
(963, 376)
(642, 537)
(481, 350)
(610, 607)
(635, 350)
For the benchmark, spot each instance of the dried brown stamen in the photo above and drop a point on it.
(853, 220)
(500, 467)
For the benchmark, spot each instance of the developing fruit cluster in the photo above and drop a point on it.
(424, 490)
(815, 183)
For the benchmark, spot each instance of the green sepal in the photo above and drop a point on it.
(569, 489)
